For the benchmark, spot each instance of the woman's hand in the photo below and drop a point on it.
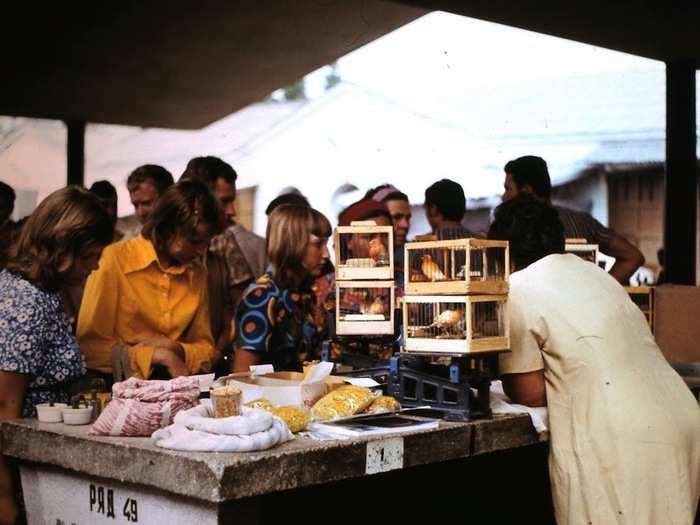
(173, 364)
(165, 344)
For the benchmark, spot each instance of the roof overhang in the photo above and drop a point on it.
(177, 64)
(185, 64)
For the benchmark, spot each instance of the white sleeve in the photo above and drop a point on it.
(528, 334)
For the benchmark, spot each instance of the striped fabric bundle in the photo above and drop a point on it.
(139, 407)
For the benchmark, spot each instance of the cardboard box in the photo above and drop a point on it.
(282, 388)
(677, 322)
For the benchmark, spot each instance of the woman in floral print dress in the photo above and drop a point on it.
(274, 321)
(60, 245)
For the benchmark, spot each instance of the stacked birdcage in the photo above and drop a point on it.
(456, 294)
(364, 254)
(583, 249)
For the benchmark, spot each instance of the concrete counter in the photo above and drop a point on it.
(208, 480)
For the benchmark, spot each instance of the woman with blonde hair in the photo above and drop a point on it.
(59, 246)
(274, 320)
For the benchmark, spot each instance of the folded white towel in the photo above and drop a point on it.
(202, 418)
(500, 404)
(179, 437)
(196, 430)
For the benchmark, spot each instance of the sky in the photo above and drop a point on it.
(442, 55)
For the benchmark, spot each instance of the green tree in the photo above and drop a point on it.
(333, 77)
(296, 91)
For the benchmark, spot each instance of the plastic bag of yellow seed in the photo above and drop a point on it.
(297, 418)
(342, 402)
(383, 404)
(263, 404)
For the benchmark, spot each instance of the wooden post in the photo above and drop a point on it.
(681, 172)
(75, 149)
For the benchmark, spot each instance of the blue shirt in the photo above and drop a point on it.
(35, 339)
(276, 323)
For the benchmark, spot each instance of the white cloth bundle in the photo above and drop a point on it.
(501, 404)
(197, 430)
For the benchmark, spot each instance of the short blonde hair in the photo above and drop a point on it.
(289, 231)
(67, 223)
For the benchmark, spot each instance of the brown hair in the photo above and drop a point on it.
(289, 231)
(161, 178)
(67, 223)
(179, 210)
(208, 170)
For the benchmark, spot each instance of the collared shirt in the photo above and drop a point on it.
(225, 244)
(131, 297)
(580, 225)
(244, 255)
(452, 233)
(35, 340)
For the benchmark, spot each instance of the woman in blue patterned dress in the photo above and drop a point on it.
(274, 320)
(59, 245)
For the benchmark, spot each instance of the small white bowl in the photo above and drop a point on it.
(50, 414)
(77, 416)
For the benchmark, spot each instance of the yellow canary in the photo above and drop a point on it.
(431, 270)
(377, 306)
(377, 250)
(448, 318)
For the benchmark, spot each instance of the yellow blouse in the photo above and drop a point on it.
(131, 297)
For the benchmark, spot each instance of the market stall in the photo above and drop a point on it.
(71, 477)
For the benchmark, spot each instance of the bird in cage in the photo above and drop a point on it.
(450, 322)
(447, 318)
(378, 252)
(430, 269)
(377, 306)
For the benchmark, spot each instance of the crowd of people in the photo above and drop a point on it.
(182, 288)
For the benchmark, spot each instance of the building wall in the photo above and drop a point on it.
(634, 202)
(637, 210)
(245, 206)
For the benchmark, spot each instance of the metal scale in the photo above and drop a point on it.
(455, 391)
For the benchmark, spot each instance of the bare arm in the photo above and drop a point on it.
(526, 389)
(12, 390)
(627, 258)
(243, 359)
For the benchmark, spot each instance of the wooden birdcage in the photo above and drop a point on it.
(364, 307)
(455, 325)
(456, 267)
(582, 248)
(643, 297)
(364, 251)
